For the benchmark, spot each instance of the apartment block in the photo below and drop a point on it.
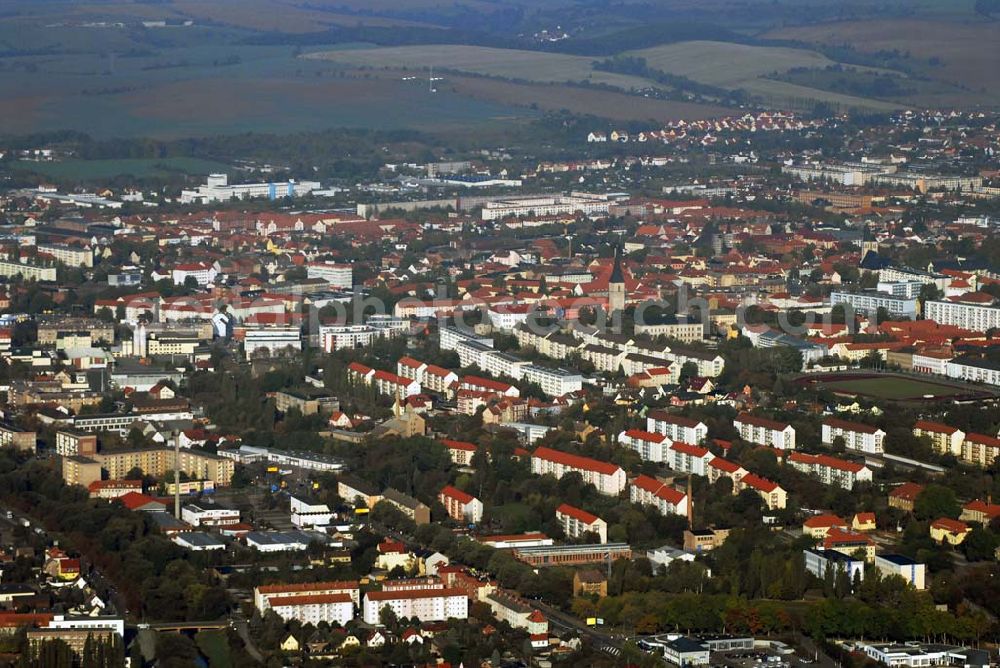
(576, 522)
(762, 431)
(606, 477)
(857, 435)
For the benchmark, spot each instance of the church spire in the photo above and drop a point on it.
(617, 275)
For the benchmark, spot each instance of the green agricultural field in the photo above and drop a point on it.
(893, 387)
(101, 170)
(533, 66)
(733, 66)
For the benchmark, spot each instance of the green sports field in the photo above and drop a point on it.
(894, 387)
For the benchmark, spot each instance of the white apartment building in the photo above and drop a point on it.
(336, 274)
(271, 340)
(945, 439)
(427, 605)
(577, 522)
(762, 431)
(461, 507)
(546, 205)
(265, 596)
(507, 318)
(681, 331)
(341, 337)
(473, 353)
(857, 436)
(315, 608)
(202, 272)
(870, 302)
(450, 337)
(974, 370)
(831, 470)
(390, 384)
(554, 382)
(430, 376)
(28, 271)
(71, 256)
(606, 477)
(647, 491)
(652, 447)
(676, 428)
(687, 458)
(498, 363)
(900, 289)
(975, 317)
(907, 274)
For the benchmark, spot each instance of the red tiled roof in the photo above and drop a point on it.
(576, 461)
(759, 483)
(577, 513)
(824, 521)
(836, 537)
(670, 418)
(991, 510)
(907, 491)
(456, 494)
(458, 445)
(310, 599)
(134, 500)
(414, 593)
(725, 465)
(983, 439)
(659, 489)
(757, 421)
(307, 586)
(846, 425)
(478, 381)
(950, 525)
(640, 435)
(935, 427)
(688, 449)
(513, 537)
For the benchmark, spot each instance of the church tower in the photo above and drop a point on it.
(616, 287)
(868, 243)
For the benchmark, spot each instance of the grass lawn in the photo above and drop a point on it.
(105, 169)
(215, 647)
(894, 387)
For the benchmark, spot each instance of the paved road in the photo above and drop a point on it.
(601, 640)
(242, 628)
